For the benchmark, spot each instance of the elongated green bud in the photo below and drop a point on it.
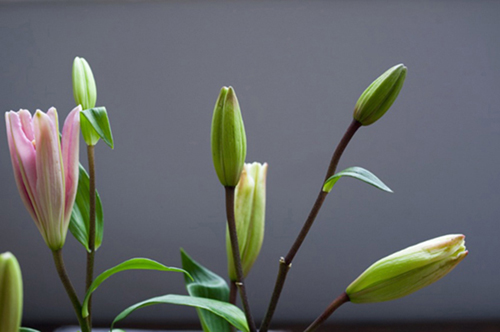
(85, 93)
(408, 270)
(249, 215)
(11, 293)
(380, 95)
(84, 89)
(228, 138)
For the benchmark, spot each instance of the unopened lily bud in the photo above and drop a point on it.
(249, 214)
(85, 93)
(228, 138)
(84, 89)
(408, 270)
(380, 95)
(11, 293)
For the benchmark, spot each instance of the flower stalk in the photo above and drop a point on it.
(70, 290)
(239, 282)
(343, 298)
(92, 228)
(286, 262)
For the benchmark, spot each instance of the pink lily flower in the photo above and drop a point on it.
(46, 168)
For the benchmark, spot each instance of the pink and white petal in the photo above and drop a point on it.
(21, 149)
(50, 179)
(70, 155)
(52, 113)
(27, 124)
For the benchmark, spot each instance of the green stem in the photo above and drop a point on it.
(343, 298)
(233, 292)
(286, 263)
(70, 290)
(233, 235)
(91, 254)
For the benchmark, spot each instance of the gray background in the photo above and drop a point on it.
(298, 68)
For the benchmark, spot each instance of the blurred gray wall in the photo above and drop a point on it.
(298, 68)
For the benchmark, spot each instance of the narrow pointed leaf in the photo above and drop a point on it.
(229, 312)
(131, 264)
(206, 284)
(98, 118)
(357, 173)
(79, 222)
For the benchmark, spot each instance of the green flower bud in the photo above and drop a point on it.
(85, 93)
(380, 95)
(11, 293)
(249, 215)
(408, 270)
(84, 89)
(229, 146)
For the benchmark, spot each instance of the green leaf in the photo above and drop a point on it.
(27, 329)
(206, 284)
(80, 216)
(357, 173)
(97, 117)
(229, 312)
(131, 264)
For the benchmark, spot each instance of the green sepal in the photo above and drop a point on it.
(80, 215)
(229, 312)
(357, 173)
(131, 264)
(206, 284)
(94, 123)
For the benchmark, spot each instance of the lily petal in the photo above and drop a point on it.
(23, 157)
(50, 180)
(70, 156)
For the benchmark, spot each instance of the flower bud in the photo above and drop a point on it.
(84, 89)
(249, 214)
(11, 293)
(380, 95)
(85, 93)
(228, 138)
(408, 270)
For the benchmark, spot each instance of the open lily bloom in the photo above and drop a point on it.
(46, 168)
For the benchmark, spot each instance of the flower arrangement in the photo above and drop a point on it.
(60, 194)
